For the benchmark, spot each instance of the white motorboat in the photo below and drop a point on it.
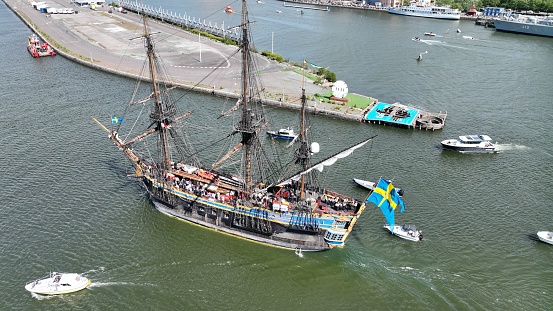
(470, 143)
(430, 34)
(370, 185)
(287, 134)
(58, 283)
(546, 236)
(408, 232)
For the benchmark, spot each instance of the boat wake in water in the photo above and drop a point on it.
(511, 147)
(44, 297)
(432, 42)
(104, 284)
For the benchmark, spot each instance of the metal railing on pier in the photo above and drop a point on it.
(184, 21)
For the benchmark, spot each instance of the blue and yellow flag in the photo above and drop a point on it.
(115, 120)
(386, 197)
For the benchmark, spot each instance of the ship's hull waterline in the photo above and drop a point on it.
(253, 224)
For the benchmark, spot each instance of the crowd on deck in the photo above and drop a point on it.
(284, 200)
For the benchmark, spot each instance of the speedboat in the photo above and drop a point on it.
(228, 9)
(408, 232)
(430, 34)
(470, 143)
(546, 236)
(286, 134)
(371, 185)
(58, 283)
(468, 37)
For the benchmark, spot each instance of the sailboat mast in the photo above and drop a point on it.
(158, 114)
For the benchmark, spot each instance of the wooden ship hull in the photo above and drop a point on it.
(320, 229)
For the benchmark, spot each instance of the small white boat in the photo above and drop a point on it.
(370, 185)
(286, 134)
(430, 34)
(58, 283)
(408, 232)
(458, 30)
(278, 11)
(546, 236)
(468, 37)
(471, 143)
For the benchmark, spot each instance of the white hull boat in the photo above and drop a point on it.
(286, 134)
(407, 232)
(364, 183)
(370, 185)
(58, 283)
(546, 236)
(470, 143)
(427, 11)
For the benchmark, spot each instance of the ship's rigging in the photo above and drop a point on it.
(263, 200)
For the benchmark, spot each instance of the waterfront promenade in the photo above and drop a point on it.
(102, 40)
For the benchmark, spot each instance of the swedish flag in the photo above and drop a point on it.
(386, 197)
(115, 120)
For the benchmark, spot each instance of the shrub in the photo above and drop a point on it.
(273, 56)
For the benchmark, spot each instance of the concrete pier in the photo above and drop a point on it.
(101, 40)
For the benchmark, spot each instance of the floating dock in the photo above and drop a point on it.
(404, 116)
(306, 7)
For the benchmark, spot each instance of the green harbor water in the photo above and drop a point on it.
(68, 205)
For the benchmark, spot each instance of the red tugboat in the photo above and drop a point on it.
(38, 50)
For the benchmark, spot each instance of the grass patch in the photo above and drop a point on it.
(355, 101)
(301, 72)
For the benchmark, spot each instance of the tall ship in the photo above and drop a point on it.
(246, 192)
(529, 25)
(426, 11)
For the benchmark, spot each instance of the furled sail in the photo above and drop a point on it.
(387, 198)
(327, 162)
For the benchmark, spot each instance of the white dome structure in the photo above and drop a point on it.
(340, 89)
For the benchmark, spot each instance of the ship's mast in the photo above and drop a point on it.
(302, 154)
(158, 113)
(245, 126)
